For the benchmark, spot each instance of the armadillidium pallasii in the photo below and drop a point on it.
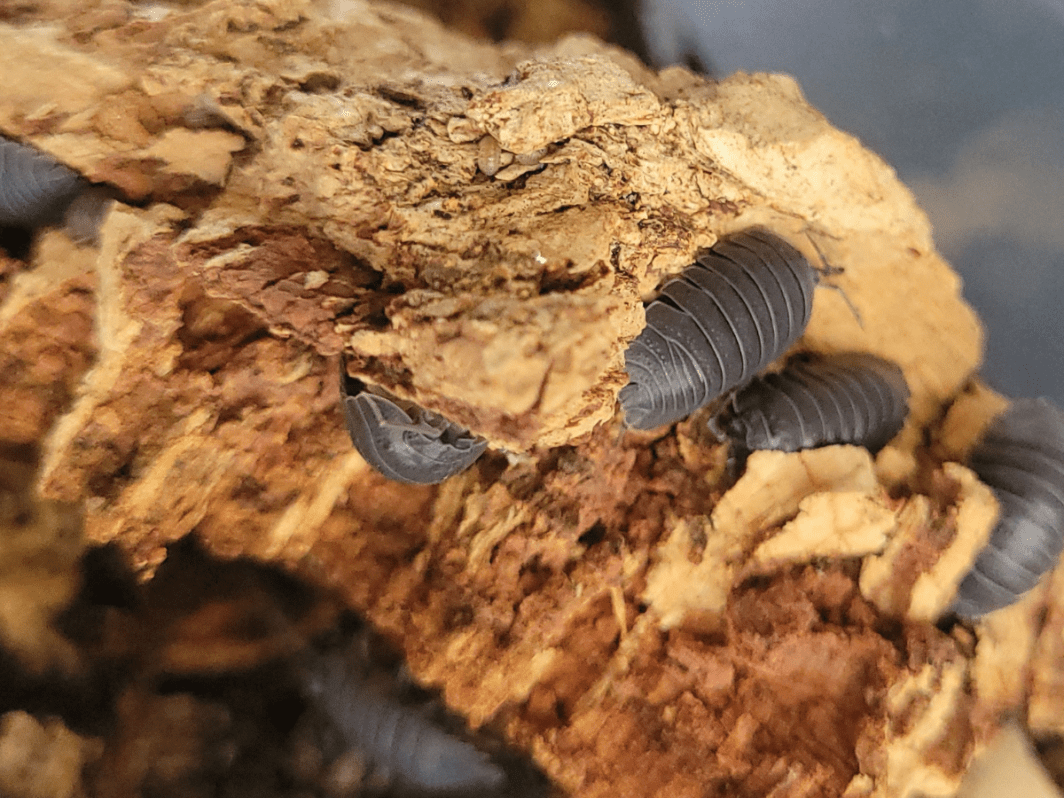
(724, 319)
(1021, 458)
(403, 441)
(402, 743)
(851, 398)
(35, 189)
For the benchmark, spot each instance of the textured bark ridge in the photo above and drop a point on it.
(46, 336)
(476, 227)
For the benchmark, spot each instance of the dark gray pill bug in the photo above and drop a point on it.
(854, 398)
(1021, 458)
(403, 441)
(403, 744)
(740, 306)
(35, 189)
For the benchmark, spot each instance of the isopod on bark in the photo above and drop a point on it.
(723, 320)
(1021, 457)
(402, 742)
(853, 398)
(403, 441)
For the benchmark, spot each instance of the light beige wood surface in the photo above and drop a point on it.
(1009, 767)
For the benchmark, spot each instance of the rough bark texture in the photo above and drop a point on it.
(476, 227)
(46, 338)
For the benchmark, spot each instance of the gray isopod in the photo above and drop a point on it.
(1021, 458)
(736, 309)
(402, 743)
(854, 398)
(403, 441)
(35, 189)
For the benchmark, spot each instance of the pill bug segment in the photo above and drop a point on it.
(403, 744)
(740, 306)
(853, 398)
(1021, 458)
(402, 441)
(35, 189)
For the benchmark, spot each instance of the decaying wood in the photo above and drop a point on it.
(476, 227)
(46, 337)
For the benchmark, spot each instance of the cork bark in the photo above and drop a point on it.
(476, 227)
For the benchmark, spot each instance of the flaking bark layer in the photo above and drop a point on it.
(476, 227)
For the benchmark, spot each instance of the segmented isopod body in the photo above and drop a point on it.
(35, 189)
(1021, 458)
(852, 398)
(403, 744)
(725, 318)
(403, 441)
